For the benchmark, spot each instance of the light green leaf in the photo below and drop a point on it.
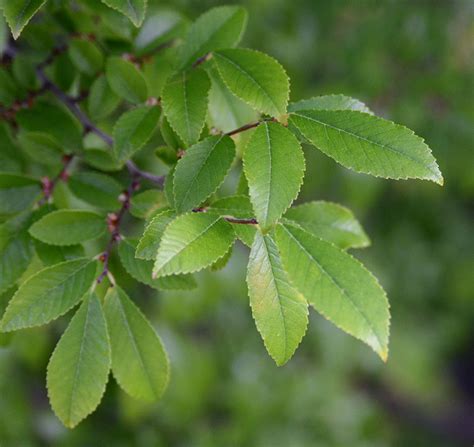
(139, 360)
(147, 247)
(237, 206)
(331, 222)
(17, 193)
(329, 102)
(101, 159)
(135, 10)
(279, 310)
(19, 12)
(126, 80)
(145, 204)
(368, 144)
(102, 101)
(220, 27)
(133, 130)
(184, 100)
(49, 294)
(16, 251)
(274, 166)
(336, 285)
(85, 56)
(97, 189)
(141, 270)
(68, 227)
(79, 368)
(201, 171)
(53, 120)
(192, 242)
(54, 254)
(226, 111)
(256, 78)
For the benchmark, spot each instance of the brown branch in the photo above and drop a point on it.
(231, 219)
(50, 184)
(114, 221)
(243, 128)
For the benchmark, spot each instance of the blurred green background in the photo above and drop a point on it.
(412, 62)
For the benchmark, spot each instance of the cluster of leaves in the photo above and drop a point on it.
(212, 104)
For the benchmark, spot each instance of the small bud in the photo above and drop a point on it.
(152, 101)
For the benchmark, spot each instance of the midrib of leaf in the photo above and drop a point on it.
(191, 242)
(359, 137)
(188, 191)
(76, 374)
(252, 79)
(132, 8)
(135, 347)
(276, 297)
(186, 112)
(344, 292)
(269, 145)
(21, 14)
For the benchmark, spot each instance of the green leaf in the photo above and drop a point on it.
(53, 254)
(85, 56)
(201, 171)
(139, 360)
(184, 101)
(336, 285)
(147, 203)
(135, 10)
(220, 27)
(101, 159)
(102, 101)
(49, 294)
(279, 310)
(68, 227)
(8, 88)
(329, 102)
(79, 368)
(55, 121)
(19, 12)
(226, 111)
(331, 222)
(141, 270)
(133, 130)
(274, 166)
(41, 147)
(256, 78)
(17, 193)
(126, 80)
(368, 144)
(97, 189)
(192, 242)
(147, 247)
(238, 206)
(16, 251)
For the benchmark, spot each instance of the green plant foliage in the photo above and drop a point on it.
(201, 171)
(279, 310)
(134, 9)
(68, 227)
(192, 242)
(256, 78)
(49, 294)
(125, 80)
(139, 361)
(185, 98)
(133, 130)
(368, 144)
(132, 158)
(221, 27)
(273, 182)
(79, 367)
(336, 285)
(18, 13)
(331, 222)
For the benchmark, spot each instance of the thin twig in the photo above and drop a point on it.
(243, 128)
(50, 184)
(231, 219)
